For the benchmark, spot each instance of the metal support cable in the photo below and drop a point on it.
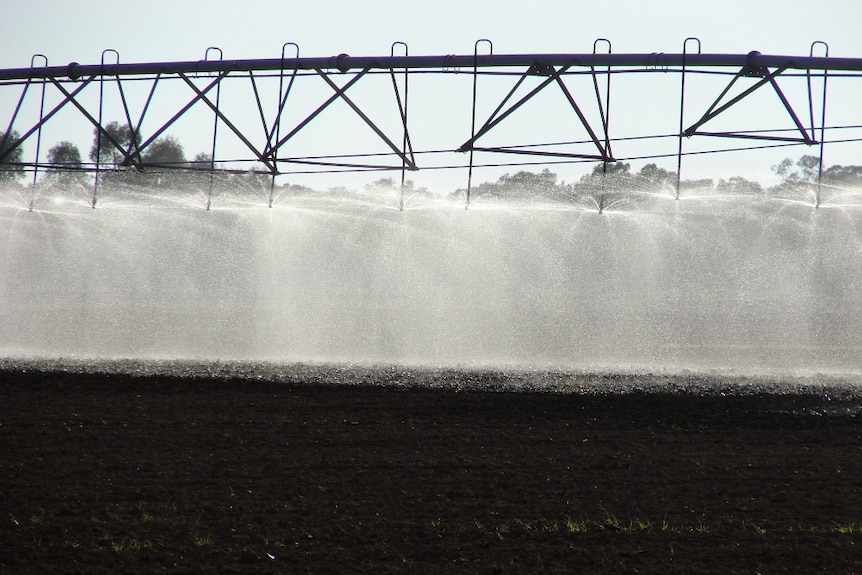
(359, 168)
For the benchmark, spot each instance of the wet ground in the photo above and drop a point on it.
(187, 468)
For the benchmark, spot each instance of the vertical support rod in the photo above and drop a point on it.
(128, 151)
(682, 112)
(95, 196)
(215, 126)
(473, 122)
(604, 113)
(8, 133)
(134, 131)
(39, 132)
(282, 99)
(822, 118)
(403, 112)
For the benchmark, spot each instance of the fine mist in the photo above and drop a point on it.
(737, 283)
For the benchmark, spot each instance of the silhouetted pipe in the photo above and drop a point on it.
(345, 63)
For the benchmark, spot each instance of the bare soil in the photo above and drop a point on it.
(113, 473)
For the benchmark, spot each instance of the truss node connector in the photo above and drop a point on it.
(72, 71)
(342, 63)
(752, 70)
(541, 69)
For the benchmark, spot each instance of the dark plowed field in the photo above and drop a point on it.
(110, 473)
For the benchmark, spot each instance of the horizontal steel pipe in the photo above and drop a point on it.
(344, 63)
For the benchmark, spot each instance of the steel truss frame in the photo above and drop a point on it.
(552, 70)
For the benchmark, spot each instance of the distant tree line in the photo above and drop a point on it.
(617, 177)
(162, 163)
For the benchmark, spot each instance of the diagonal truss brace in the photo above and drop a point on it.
(182, 111)
(203, 97)
(340, 93)
(498, 115)
(68, 98)
(408, 161)
(105, 134)
(766, 77)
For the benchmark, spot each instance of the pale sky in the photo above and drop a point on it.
(180, 30)
(161, 30)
